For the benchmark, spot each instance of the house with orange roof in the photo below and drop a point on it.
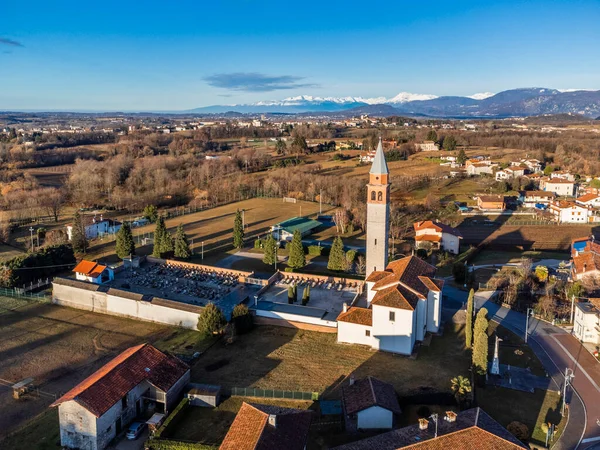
(570, 212)
(93, 272)
(560, 186)
(589, 200)
(437, 235)
(403, 305)
(95, 411)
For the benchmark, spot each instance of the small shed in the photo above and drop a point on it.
(205, 395)
(131, 262)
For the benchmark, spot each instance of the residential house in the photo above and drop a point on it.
(562, 175)
(532, 165)
(93, 272)
(403, 304)
(369, 404)
(268, 427)
(439, 235)
(586, 262)
(491, 203)
(569, 212)
(586, 322)
(472, 429)
(368, 157)
(509, 173)
(428, 146)
(480, 167)
(95, 411)
(97, 228)
(560, 186)
(589, 200)
(284, 231)
(537, 199)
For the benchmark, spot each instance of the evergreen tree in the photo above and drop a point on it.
(151, 213)
(480, 344)
(290, 295)
(182, 248)
(469, 324)
(238, 230)
(210, 320)
(270, 250)
(78, 237)
(449, 143)
(162, 239)
(125, 245)
(337, 257)
(432, 136)
(242, 319)
(306, 295)
(297, 259)
(462, 157)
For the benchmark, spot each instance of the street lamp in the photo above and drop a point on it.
(529, 312)
(31, 231)
(568, 377)
(466, 274)
(435, 419)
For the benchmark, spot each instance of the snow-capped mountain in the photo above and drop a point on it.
(514, 102)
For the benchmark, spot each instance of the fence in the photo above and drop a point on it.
(274, 393)
(19, 293)
(33, 286)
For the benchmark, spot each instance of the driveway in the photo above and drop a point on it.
(138, 444)
(557, 350)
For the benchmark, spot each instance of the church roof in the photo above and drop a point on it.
(379, 165)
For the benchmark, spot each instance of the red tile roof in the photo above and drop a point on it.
(437, 226)
(428, 237)
(360, 316)
(251, 429)
(369, 392)
(377, 275)
(108, 385)
(396, 297)
(473, 438)
(89, 268)
(587, 198)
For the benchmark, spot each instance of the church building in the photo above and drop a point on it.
(404, 300)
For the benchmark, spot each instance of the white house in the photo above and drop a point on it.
(559, 186)
(428, 146)
(569, 212)
(532, 198)
(95, 411)
(369, 404)
(480, 167)
(403, 304)
(589, 200)
(586, 326)
(439, 235)
(93, 272)
(97, 228)
(562, 175)
(510, 173)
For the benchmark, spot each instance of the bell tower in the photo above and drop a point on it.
(378, 213)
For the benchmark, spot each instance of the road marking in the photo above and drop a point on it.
(576, 363)
(588, 440)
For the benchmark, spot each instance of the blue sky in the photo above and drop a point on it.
(179, 55)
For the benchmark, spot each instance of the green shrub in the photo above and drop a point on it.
(211, 320)
(315, 250)
(422, 253)
(48, 261)
(173, 418)
(289, 269)
(242, 319)
(258, 243)
(158, 444)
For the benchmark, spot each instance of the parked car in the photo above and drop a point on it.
(134, 430)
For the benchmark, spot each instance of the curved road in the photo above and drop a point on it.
(556, 349)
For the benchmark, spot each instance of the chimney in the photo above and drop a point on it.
(345, 307)
(450, 416)
(352, 380)
(273, 420)
(423, 423)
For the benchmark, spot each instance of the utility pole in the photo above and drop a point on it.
(320, 201)
(529, 311)
(276, 247)
(568, 378)
(192, 246)
(572, 307)
(31, 231)
(243, 219)
(202, 250)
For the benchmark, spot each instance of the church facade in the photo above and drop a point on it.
(404, 299)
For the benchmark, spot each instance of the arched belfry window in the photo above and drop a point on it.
(373, 195)
(379, 196)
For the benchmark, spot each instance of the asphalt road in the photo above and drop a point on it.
(557, 350)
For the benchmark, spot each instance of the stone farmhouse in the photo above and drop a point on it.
(95, 411)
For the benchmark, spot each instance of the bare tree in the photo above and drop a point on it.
(340, 219)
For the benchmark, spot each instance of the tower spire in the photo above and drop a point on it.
(379, 165)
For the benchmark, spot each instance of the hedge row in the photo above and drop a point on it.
(173, 418)
(157, 444)
(47, 262)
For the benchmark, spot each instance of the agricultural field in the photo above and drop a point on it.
(58, 347)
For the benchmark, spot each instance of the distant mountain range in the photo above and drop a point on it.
(512, 103)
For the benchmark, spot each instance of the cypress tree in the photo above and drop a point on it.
(290, 295)
(78, 237)
(161, 236)
(210, 320)
(480, 344)
(297, 259)
(469, 323)
(337, 257)
(238, 230)
(125, 245)
(182, 249)
(270, 250)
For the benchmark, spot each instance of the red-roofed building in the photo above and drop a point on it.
(369, 404)
(93, 272)
(404, 303)
(95, 411)
(440, 236)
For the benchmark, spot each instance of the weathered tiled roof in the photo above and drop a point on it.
(369, 392)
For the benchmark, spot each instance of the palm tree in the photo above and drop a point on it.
(460, 387)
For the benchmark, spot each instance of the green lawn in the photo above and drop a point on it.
(182, 341)
(41, 433)
(513, 350)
